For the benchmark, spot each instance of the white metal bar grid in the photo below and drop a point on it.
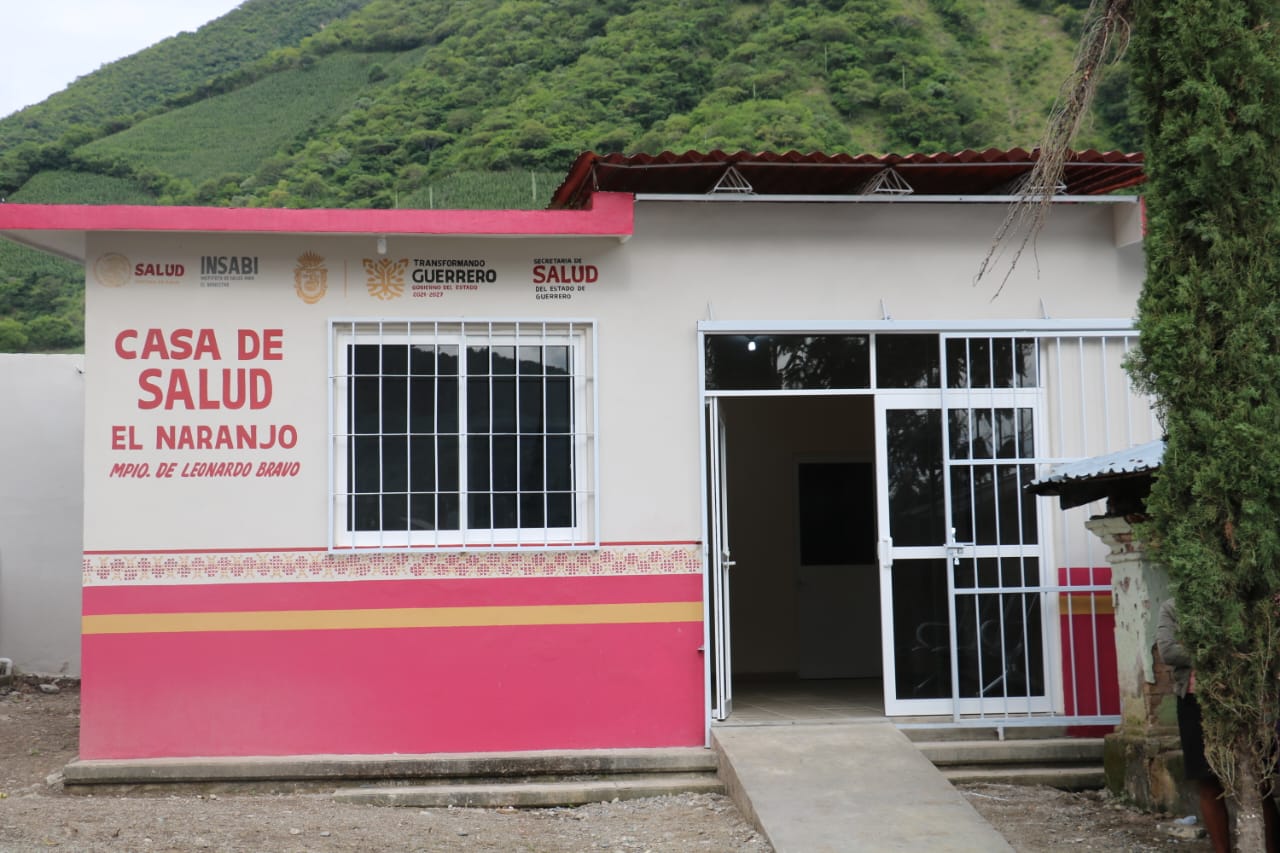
(463, 434)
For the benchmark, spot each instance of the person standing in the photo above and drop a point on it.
(1213, 803)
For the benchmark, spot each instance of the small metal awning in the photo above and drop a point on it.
(1124, 473)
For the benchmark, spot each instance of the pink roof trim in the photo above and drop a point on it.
(609, 215)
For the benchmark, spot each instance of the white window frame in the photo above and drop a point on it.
(578, 335)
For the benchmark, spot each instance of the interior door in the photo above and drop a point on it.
(837, 595)
(721, 563)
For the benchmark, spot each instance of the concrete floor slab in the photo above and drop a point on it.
(847, 787)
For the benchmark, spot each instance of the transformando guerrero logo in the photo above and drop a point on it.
(385, 277)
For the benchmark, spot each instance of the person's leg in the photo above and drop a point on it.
(1213, 808)
(1271, 822)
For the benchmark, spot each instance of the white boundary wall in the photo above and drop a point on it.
(41, 511)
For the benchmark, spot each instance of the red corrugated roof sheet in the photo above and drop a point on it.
(991, 172)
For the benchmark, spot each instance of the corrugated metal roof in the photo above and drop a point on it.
(990, 172)
(1134, 460)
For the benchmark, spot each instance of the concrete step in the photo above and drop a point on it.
(1067, 778)
(321, 771)
(534, 794)
(933, 733)
(1047, 751)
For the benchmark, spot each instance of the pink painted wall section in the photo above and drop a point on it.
(229, 688)
(1087, 622)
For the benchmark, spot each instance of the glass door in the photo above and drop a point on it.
(962, 588)
(720, 564)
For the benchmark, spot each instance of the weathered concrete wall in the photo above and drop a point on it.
(41, 511)
(1143, 756)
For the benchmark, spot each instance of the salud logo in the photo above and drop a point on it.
(112, 270)
(310, 278)
(386, 277)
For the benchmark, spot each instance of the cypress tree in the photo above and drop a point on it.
(1208, 73)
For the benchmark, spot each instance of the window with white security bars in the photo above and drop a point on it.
(463, 434)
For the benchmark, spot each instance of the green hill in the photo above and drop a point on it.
(484, 103)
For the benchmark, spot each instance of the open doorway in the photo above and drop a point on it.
(804, 599)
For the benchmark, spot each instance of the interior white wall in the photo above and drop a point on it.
(41, 511)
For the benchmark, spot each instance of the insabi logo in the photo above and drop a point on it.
(311, 278)
(386, 277)
(112, 270)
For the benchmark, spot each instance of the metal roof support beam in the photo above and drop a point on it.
(732, 181)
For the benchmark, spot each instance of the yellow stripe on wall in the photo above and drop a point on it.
(405, 617)
(1079, 604)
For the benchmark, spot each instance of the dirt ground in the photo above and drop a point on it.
(38, 734)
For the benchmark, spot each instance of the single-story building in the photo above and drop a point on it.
(405, 481)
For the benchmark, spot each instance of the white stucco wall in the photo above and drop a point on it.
(41, 511)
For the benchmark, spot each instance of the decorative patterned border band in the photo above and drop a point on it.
(195, 567)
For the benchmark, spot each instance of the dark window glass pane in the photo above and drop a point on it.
(532, 464)
(365, 359)
(395, 511)
(395, 405)
(1017, 507)
(478, 406)
(447, 450)
(422, 464)
(503, 401)
(530, 405)
(447, 362)
(395, 465)
(422, 407)
(1026, 434)
(365, 463)
(557, 360)
(1027, 363)
(530, 361)
(914, 445)
(973, 497)
(969, 363)
(395, 360)
(447, 511)
(478, 463)
(478, 361)
(504, 361)
(363, 512)
(959, 430)
(559, 406)
(479, 510)
(998, 645)
(559, 464)
(422, 360)
(504, 510)
(365, 405)
(962, 503)
(531, 510)
(773, 362)
(837, 517)
(560, 510)
(1003, 358)
(907, 361)
(921, 629)
(503, 463)
(1006, 434)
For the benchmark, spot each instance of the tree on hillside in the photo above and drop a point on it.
(1207, 73)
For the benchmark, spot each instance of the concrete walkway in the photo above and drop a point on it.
(846, 788)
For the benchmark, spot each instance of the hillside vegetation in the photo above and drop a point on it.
(485, 103)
